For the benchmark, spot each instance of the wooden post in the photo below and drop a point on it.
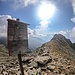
(20, 63)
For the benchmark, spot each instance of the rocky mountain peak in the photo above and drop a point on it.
(57, 36)
(62, 40)
(61, 45)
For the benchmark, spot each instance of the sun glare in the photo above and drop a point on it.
(46, 11)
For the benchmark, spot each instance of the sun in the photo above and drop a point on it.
(46, 11)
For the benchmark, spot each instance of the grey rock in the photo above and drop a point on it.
(62, 74)
(51, 67)
(43, 59)
(27, 59)
(45, 54)
(31, 72)
(33, 63)
(25, 73)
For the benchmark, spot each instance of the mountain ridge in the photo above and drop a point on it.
(60, 44)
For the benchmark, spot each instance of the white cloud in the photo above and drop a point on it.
(62, 32)
(73, 5)
(41, 30)
(73, 19)
(23, 3)
(44, 24)
(35, 33)
(72, 33)
(31, 32)
(3, 25)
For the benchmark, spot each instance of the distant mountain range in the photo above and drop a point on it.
(3, 40)
(33, 42)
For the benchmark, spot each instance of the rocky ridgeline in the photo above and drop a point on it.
(40, 63)
(61, 45)
(43, 61)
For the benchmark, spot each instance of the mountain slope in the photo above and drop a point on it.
(61, 45)
(55, 57)
(3, 51)
(33, 42)
(3, 40)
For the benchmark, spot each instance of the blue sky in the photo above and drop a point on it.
(62, 21)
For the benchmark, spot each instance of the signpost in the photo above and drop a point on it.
(17, 39)
(20, 63)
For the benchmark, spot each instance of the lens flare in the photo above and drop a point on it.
(46, 11)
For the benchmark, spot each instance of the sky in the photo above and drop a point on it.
(62, 20)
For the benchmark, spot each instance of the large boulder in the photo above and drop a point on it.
(43, 59)
(33, 64)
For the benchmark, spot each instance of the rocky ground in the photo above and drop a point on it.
(46, 60)
(41, 62)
